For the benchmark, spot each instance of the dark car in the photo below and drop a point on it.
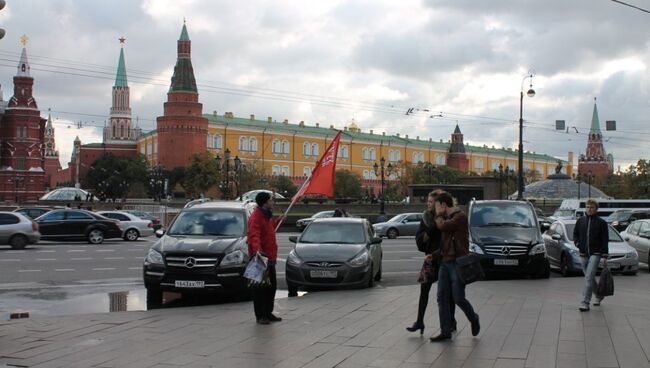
(33, 212)
(204, 249)
(506, 237)
(334, 252)
(621, 219)
(77, 224)
(303, 222)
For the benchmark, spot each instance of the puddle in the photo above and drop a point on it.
(53, 302)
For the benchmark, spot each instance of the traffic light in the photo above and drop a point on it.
(2, 30)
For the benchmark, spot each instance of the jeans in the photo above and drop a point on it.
(449, 284)
(589, 267)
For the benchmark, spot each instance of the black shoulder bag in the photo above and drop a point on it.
(469, 267)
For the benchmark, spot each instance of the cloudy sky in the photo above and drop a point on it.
(368, 60)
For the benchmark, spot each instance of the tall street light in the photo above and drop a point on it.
(589, 176)
(379, 170)
(530, 93)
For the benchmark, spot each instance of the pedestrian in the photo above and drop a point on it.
(452, 223)
(591, 237)
(428, 239)
(338, 212)
(261, 239)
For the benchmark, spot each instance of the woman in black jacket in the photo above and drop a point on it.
(427, 239)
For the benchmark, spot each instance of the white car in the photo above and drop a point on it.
(132, 226)
(637, 235)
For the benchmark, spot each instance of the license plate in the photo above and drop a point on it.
(613, 266)
(190, 284)
(323, 274)
(506, 262)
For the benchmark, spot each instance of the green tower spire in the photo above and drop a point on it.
(595, 124)
(183, 79)
(184, 35)
(120, 78)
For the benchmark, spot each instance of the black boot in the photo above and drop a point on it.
(416, 326)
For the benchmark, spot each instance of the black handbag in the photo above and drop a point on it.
(606, 284)
(469, 269)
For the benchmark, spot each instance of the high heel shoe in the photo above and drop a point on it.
(416, 326)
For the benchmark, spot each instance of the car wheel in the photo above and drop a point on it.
(392, 233)
(18, 241)
(154, 298)
(96, 236)
(131, 235)
(293, 289)
(378, 275)
(564, 266)
(371, 277)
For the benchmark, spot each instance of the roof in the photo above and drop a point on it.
(353, 220)
(184, 35)
(595, 123)
(235, 205)
(120, 78)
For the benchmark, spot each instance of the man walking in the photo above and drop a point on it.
(452, 222)
(261, 238)
(591, 237)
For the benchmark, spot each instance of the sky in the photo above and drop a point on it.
(329, 62)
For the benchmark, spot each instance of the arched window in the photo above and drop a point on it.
(314, 149)
(306, 149)
(366, 174)
(285, 147)
(478, 164)
(210, 141)
(373, 156)
(252, 144)
(418, 157)
(364, 154)
(243, 144)
(306, 171)
(218, 141)
(373, 176)
(440, 159)
(275, 146)
(275, 170)
(285, 171)
(343, 152)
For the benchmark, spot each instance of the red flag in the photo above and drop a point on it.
(321, 180)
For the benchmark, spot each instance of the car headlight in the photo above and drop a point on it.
(360, 260)
(293, 259)
(633, 254)
(573, 250)
(475, 248)
(233, 258)
(538, 249)
(153, 257)
(615, 223)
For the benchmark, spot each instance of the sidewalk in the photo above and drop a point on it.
(525, 323)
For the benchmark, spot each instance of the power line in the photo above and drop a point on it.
(631, 6)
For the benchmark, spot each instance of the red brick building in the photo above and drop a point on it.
(595, 162)
(457, 157)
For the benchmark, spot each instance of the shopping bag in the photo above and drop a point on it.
(469, 269)
(605, 284)
(256, 268)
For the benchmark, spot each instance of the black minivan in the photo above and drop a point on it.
(507, 237)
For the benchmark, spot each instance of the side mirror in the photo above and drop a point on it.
(556, 237)
(293, 239)
(404, 221)
(376, 241)
(159, 233)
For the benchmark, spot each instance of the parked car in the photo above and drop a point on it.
(17, 230)
(544, 222)
(250, 195)
(506, 236)
(622, 218)
(403, 224)
(203, 250)
(339, 251)
(33, 212)
(194, 202)
(303, 222)
(564, 254)
(147, 216)
(77, 224)
(132, 226)
(637, 235)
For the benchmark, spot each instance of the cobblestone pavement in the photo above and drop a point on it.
(525, 323)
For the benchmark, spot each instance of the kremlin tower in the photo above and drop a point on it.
(595, 160)
(457, 157)
(182, 130)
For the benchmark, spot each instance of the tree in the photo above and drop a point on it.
(112, 176)
(283, 185)
(201, 175)
(347, 185)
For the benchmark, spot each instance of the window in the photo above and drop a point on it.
(418, 157)
(478, 164)
(276, 147)
(155, 147)
(143, 149)
(210, 141)
(285, 170)
(393, 155)
(343, 152)
(218, 141)
(440, 159)
(243, 144)
(285, 147)
(373, 156)
(252, 144)
(365, 153)
(306, 171)
(77, 215)
(366, 174)
(8, 219)
(275, 170)
(314, 149)
(306, 149)
(373, 176)
(149, 149)
(495, 165)
(54, 216)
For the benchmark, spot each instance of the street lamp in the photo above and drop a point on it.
(238, 168)
(530, 93)
(431, 168)
(589, 181)
(578, 181)
(501, 181)
(225, 166)
(379, 170)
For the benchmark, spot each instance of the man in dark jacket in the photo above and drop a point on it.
(591, 237)
(452, 222)
(261, 238)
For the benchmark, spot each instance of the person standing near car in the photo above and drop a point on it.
(261, 239)
(591, 237)
(452, 222)
(428, 239)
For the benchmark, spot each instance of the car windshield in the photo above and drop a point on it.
(510, 214)
(563, 213)
(397, 218)
(323, 214)
(613, 234)
(334, 232)
(619, 216)
(209, 222)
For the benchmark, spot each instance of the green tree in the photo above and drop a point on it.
(347, 185)
(283, 185)
(201, 175)
(111, 176)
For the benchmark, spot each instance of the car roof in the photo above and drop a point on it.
(219, 204)
(115, 211)
(353, 220)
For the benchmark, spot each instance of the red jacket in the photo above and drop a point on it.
(261, 235)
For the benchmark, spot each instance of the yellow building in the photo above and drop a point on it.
(280, 148)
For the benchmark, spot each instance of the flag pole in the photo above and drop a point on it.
(293, 200)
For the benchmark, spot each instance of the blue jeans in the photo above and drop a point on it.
(450, 284)
(589, 268)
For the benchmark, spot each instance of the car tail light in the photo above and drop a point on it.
(149, 225)
(34, 226)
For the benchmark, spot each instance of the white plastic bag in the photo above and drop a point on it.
(256, 271)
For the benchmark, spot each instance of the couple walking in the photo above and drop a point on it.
(443, 237)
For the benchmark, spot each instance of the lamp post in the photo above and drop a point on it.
(530, 93)
(578, 181)
(589, 175)
(225, 167)
(431, 168)
(379, 170)
(156, 182)
(238, 167)
(501, 181)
